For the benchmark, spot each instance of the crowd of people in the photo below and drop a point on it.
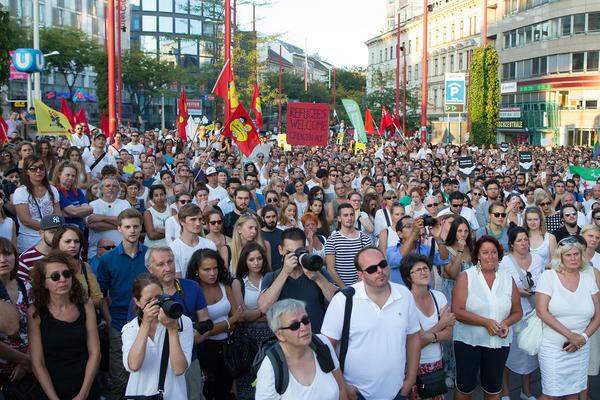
(147, 267)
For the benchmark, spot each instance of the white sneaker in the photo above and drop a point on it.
(525, 397)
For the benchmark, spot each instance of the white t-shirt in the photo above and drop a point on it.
(183, 252)
(81, 142)
(433, 351)
(144, 381)
(38, 208)
(135, 150)
(467, 213)
(113, 209)
(89, 159)
(377, 338)
(172, 229)
(323, 387)
(217, 193)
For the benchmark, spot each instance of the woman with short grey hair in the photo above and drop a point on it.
(310, 361)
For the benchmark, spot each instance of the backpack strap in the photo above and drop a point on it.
(431, 251)
(323, 354)
(280, 368)
(387, 217)
(349, 293)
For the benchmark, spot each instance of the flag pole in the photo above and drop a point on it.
(334, 91)
(110, 40)
(227, 45)
(279, 90)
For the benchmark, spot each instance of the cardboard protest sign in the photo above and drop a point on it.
(466, 166)
(525, 161)
(307, 124)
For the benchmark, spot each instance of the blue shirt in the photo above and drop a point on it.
(503, 239)
(94, 263)
(394, 258)
(72, 198)
(116, 273)
(261, 202)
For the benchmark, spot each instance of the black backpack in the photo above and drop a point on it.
(272, 350)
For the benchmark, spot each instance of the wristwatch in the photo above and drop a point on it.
(435, 339)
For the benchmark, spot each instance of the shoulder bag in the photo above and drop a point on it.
(433, 383)
(529, 337)
(164, 361)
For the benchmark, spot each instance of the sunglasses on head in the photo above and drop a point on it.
(294, 326)
(569, 240)
(373, 268)
(55, 276)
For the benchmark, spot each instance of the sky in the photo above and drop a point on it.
(335, 29)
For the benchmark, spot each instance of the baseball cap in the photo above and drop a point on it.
(210, 171)
(98, 134)
(52, 221)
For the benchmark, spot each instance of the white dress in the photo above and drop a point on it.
(543, 250)
(565, 373)
(158, 220)
(518, 360)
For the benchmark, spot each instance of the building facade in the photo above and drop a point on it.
(549, 54)
(454, 32)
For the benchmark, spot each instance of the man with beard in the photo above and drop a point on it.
(117, 270)
(48, 226)
(492, 192)
(570, 228)
(271, 233)
(241, 198)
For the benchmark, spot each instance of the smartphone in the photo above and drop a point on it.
(565, 344)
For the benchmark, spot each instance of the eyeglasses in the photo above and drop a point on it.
(217, 222)
(391, 198)
(476, 193)
(37, 168)
(455, 205)
(55, 276)
(432, 205)
(373, 268)
(184, 201)
(272, 200)
(108, 247)
(570, 214)
(294, 326)
(260, 156)
(499, 215)
(544, 204)
(420, 270)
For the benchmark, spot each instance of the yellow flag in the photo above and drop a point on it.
(50, 121)
(360, 146)
(281, 140)
(129, 169)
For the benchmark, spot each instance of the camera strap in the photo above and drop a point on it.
(164, 360)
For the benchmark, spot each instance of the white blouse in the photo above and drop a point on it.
(494, 303)
(144, 382)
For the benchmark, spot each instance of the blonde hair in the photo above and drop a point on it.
(237, 242)
(283, 219)
(590, 227)
(59, 169)
(561, 249)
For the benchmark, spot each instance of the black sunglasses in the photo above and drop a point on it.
(529, 279)
(217, 222)
(272, 200)
(294, 326)
(184, 201)
(373, 268)
(499, 215)
(108, 247)
(55, 276)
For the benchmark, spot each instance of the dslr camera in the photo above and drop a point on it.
(428, 220)
(171, 307)
(311, 262)
(204, 326)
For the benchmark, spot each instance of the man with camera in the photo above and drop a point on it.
(294, 280)
(413, 241)
(161, 263)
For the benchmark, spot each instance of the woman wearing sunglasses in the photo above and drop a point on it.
(566, 301)
(35, 199)
(63, 335)
(525, 269)
(290, 323)
(213, 222)
(496, 226)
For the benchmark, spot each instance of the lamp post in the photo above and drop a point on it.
(424, 74)
(37, 85)
(404, 84)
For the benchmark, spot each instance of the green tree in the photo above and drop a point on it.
(12, 36)
(384, 94)
(484, 95)
(77, 51)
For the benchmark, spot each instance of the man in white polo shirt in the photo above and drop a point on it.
(384, 332)
(190, 219)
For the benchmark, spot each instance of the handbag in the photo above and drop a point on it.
(164, 360)
(432, 383)
(239, 351)
(529, 336)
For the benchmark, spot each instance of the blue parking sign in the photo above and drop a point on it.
(455, 88)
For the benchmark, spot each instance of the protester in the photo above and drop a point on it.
(63, 336)
(213, 222)
(73, 203)
(155, 216)
(48, 226)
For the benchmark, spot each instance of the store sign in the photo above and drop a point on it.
(510, 124)
(510, 113)
(508, 87)
(535, 88)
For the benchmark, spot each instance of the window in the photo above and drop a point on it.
(564, 62)
(165, 5)
(165, 24)
(149, 23)
(554, 28)
(182, 6)
(195, 27)
(565, 25)
(535, 66)
(513, 38)
(443, 65)
(208, 28)
(189, 46)
(148, 44)
(149, 5)
(521, 36)
(386, 54)
(552, 64)
(452, 63)
(136, 23)
(537, 32)
(578, 62)
(578, 23)
(594, 22)
(460, 61)
(544, 26)
(195, 7)
(591, 104)
(435, 66)
(543, 65)
(528, 35)
(506, 40)
(181, 25)
(592, 61)
(391, 52)
(416, 71)
(409, 73)
(167, 45)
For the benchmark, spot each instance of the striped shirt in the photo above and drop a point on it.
(26, 262)
(345, 249)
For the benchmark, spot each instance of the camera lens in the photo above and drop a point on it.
(171, 308)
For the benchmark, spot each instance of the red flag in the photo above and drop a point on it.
(396, 121)
(386, 121)
(104, 125)
(66, 110)
(369, 123)
(182, 117)
(242, 130)
(3, 130)
(256, 107)
(225, 86)
(81, 118)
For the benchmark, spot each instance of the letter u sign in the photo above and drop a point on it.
(28, 60)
